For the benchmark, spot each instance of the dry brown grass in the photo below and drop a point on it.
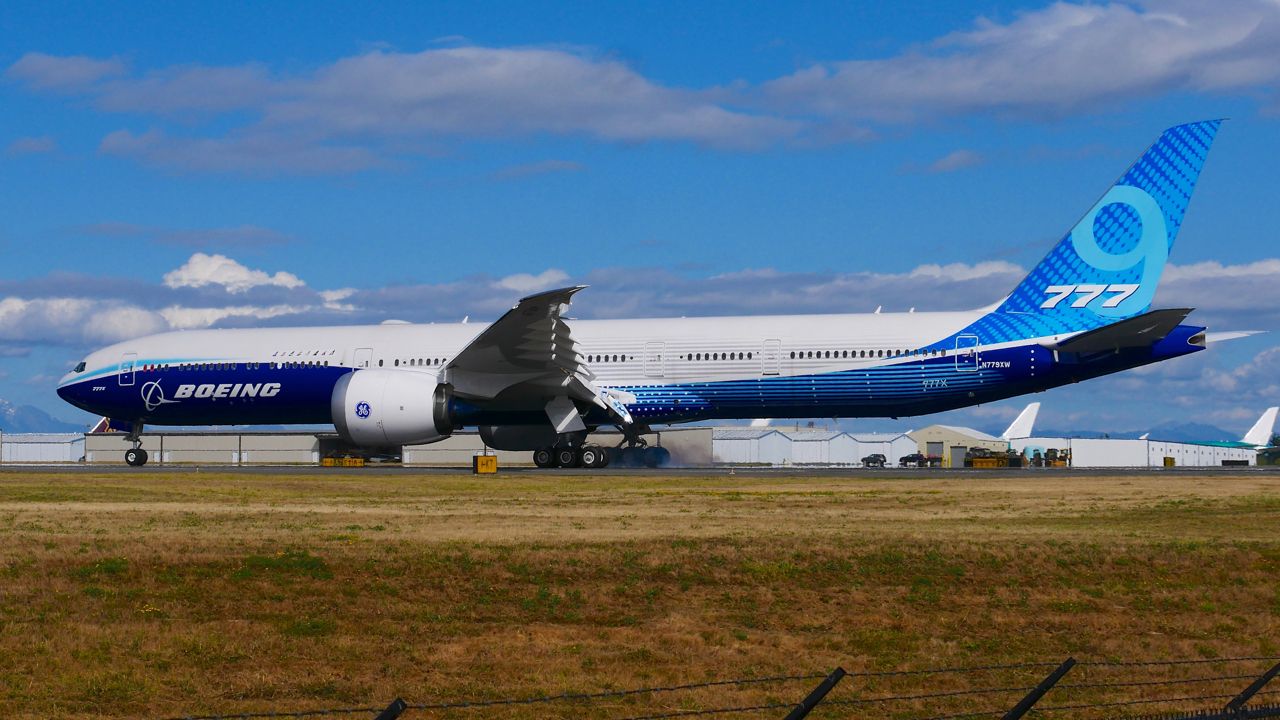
(170, 594)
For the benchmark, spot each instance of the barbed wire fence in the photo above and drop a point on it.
(1231, 688)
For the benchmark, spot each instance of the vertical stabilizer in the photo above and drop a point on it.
(1260, 433)
(1106, 268)
(1023, 424)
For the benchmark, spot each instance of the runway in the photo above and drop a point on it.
(683, 472)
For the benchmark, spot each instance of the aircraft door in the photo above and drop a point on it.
(363, 357)
(967, 353)
(771, 357)
(127, 363)
(653, 363)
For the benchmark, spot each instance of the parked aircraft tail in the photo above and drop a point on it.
(1022, 425)
(1260, 433)
(1107, 267)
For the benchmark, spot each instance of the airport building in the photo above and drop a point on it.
(41, 447)
(803, 446)
(1117, 453)
(951, 443)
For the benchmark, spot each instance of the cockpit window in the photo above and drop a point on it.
(79, 368)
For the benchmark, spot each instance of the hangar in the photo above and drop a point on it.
(41, 447)
(803, 446)
(952, 442)
(1143, 452)
(1146, 452)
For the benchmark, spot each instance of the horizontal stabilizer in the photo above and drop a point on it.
(1213, 337)
(1141, 331)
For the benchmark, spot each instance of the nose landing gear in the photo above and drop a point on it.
(135, 456)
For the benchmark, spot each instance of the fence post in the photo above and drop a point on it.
(1038, 692)
(393, 710)
(1237, 705)
(811, 701)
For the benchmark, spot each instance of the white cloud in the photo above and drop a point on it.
(526, 283)
(73, 320)
(375, 108)
(65, 74)
(333, 299)
(247, 236)
(259, 153)
(1269, 267)
(32, 145)
(202, 270)
(1064, 58)
(192, 318)
(1242, 296)
(956, 160)
(964, 271)
(354, 113)
(120, 323)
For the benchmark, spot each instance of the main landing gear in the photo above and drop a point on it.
(633, 451)
(135, 456)
(567, 456)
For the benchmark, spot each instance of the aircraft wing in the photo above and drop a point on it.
(530, 354)
(1141, 331)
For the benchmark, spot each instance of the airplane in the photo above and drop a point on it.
(537, 380)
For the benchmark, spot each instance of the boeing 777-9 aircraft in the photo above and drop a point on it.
(537, 380)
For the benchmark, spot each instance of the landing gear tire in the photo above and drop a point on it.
(567, 457)
(626, 457)
(135, 457)
(544, 458)
(654, 457)
(593, 456)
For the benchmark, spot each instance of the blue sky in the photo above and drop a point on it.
(171, 165)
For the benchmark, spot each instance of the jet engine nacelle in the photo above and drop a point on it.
(381, 408)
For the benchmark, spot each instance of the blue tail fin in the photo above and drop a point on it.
(1107, 267)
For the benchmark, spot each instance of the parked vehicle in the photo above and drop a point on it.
(913, 460)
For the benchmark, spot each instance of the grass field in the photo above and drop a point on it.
(174, 594)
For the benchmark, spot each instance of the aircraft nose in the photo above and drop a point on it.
(71, 393)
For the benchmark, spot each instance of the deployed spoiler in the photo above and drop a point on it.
(1140, 331)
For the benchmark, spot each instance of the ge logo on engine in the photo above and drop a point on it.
(363, 410)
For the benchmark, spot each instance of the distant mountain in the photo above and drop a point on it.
(1184, 432)
(31, 419)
